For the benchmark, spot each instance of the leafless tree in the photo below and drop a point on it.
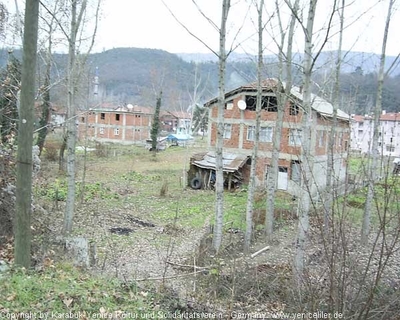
(285, 63)
(219, 184)
(307, 120)
(77, 11)
(252, 182)
(375, 152)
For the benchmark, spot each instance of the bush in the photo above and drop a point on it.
(101, 150)
(7, 194)
(51, 152)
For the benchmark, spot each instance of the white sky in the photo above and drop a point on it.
(148, 24)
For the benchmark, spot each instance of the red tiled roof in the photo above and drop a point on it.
(176, 114)
(358, 118)
(392, 116)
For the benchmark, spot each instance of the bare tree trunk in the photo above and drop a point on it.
(377, 113)
(44, 121)
(61, 153)
(282, 101)
(330, 174)
(22, 223)
(252, 184)
(219, 184)
(306, 182)
(71, 115)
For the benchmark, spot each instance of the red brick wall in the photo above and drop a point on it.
(141, 121)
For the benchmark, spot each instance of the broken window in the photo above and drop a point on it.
(117, 116)
(83, 119)
(295, 169)
(268, 103)
(116, 132)
(251, 102)
(227, 131)
(295, 137)
(102, 116)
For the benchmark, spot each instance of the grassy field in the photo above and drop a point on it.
(132, 176)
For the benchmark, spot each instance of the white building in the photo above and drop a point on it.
(362, 129)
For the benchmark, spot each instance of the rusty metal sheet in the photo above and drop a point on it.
(231, 162)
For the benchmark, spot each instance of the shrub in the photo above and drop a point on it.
(51, 152)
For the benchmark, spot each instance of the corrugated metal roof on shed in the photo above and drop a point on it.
(231, 162)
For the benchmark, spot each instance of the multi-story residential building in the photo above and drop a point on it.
(239, 121)
(122, 124)
(175, 121)
(362, 129)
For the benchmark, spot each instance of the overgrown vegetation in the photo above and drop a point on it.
(63, 289)
(57, 191)
(124, 189)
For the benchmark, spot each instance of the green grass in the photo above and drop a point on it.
(356, 165)
(64, 289)
(385, 202)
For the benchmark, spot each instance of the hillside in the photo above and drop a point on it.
(134, 75)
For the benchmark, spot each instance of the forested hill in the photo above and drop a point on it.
(133, 75)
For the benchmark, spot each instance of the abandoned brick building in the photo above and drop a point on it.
(239, 133)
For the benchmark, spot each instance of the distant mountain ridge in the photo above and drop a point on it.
(136, 76)
(369, 62)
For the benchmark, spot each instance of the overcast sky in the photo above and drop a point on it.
(149, 24)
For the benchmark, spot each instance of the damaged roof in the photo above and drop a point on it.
(231, 162)
(319, 104)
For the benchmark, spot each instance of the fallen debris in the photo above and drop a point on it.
(255, 254)
(140, 222)
(121, 231)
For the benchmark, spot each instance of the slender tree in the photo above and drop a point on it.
(252, 182)
(330, 174)
(22, 226)
(50, 27)
(45, 117)
(306, 157)
(75, 22)
(377, 113)
(283, 95)
(219, 184)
